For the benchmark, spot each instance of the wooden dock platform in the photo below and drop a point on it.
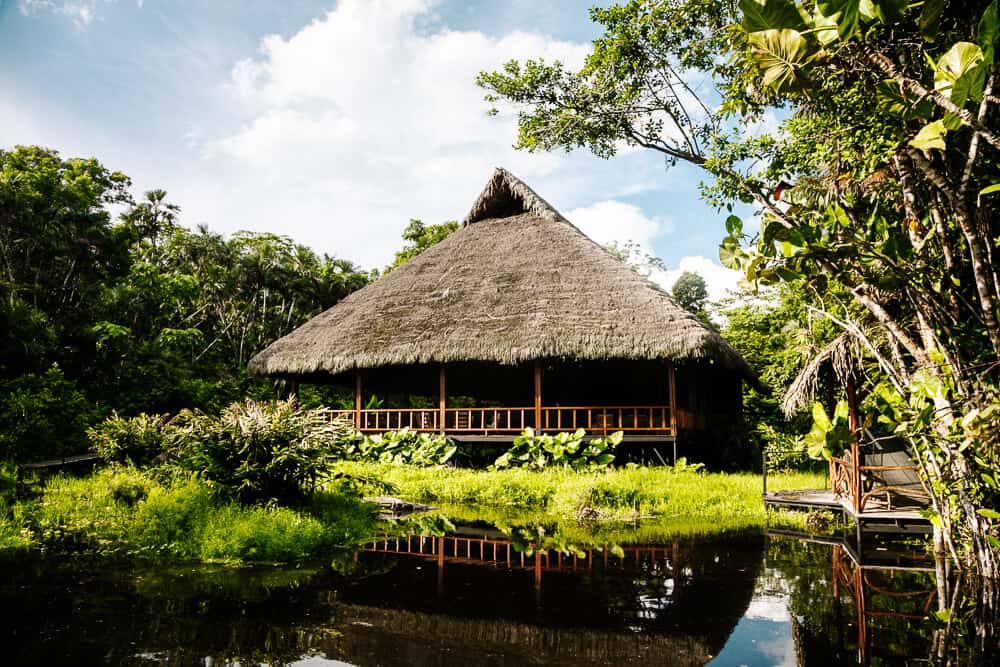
(881, 519)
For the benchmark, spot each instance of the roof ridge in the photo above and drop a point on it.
(506, 195)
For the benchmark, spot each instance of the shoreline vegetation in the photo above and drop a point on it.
(121, 512)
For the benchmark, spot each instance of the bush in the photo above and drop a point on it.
(784, 452)
(403, 446)
(43, 416)
(136, 440)
(258, 452)
(564, 449)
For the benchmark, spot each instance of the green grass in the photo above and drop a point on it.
(123, 512)
(679, 496)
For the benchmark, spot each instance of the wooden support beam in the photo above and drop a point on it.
(357, 399)
(538, 394)
(672, 397)
(442, 398)
(855, 453)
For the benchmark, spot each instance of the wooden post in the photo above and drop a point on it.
(855, 452)
(538, 394)
(442, 398)
(440, 567)
(293, 388)
(672, 397)
(763, 455)
(357, 399)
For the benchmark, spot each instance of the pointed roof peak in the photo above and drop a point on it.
(505, 195)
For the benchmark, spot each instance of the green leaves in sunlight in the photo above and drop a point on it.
(930, 136)
(960, 74)
(781, 55)
(562, 449)
(829, 436)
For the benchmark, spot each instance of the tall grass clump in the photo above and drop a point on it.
(255, 534)
(126, 513)
(92, 514)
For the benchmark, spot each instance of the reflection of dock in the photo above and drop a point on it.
(877, 585)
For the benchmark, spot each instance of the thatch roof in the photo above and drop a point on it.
(516, 282)
(839, 355)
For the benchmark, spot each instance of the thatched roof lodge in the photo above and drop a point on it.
(516, 319)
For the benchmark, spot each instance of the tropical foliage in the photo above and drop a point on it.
(258, 452)
(135, 440)
(418, 237)
(402, 446)
(139, 314)
(876, 195)
(571, 450)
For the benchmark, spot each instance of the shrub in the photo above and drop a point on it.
(137, 440)
(564, 449)
(258, 451)
(784, 452)
(43, 416)
(403, 446)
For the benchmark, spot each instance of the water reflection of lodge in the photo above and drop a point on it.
(501, 552)
(599, 606)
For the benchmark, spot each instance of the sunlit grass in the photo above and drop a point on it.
(678, 496)
(123, 512)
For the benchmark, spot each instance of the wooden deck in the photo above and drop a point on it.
(908, 517)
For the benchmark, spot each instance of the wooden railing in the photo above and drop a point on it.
(646, 419)
(504, 553)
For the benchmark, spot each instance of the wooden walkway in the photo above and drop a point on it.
(58, 463)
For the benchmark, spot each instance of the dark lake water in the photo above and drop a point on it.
(476, 597)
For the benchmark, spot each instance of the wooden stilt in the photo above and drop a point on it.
(442, 398)
(672, 397)
(856, 491)
(357, 399)
(538, 394)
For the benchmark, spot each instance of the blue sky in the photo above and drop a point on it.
(331, 122)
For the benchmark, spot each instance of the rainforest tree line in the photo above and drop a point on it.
(107, 303)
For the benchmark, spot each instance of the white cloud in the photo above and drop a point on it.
(81, 12)
(369, 116)
(609, 220)
(613, 221)
(718, 279)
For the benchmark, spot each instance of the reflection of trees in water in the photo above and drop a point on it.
(875, 610)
